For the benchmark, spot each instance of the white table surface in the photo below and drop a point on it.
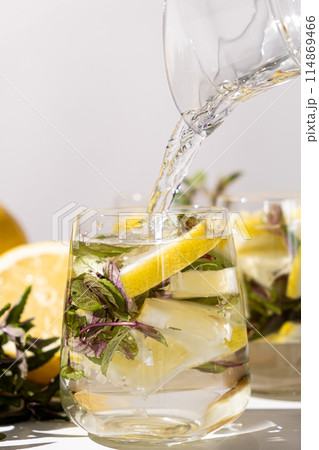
(265, 425)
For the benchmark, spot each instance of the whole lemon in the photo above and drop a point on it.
(11, 233)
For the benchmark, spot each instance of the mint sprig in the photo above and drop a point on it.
(269, 308)
(211, 261)
(106, 327)
(21, 399)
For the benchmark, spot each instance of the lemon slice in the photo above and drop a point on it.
(229, 406)
(165, 260)
(42, 265)
(92, 402)
(210, 283)
(264, 258)
(290, 332)
(194, 334)
(294, 279)
(238, 339)
(252, 224)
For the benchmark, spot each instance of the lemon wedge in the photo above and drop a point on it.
(197, 283)
(290, 332)
(194, 334)
(294, 279)
(165, 260)
(238, 339)
(264, 258)
(92, 402)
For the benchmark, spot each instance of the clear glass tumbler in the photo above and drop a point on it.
(268, 244)
(154, 336)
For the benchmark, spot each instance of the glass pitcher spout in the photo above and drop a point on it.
(219, 53)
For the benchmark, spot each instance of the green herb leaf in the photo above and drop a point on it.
(48, 391)
(211, 367)
(70, 373)
(113, 295)
(82, 296)
(4, 309)
(39, 344)
(219, 366)
(111, 348)
(20, 399)
(74, 322)
(14, 314)
(128, 347)
(211, 261)
(106, 291)
(213, 301)
(151, 332)
(38, 359)
(101, 250)
(222, 185)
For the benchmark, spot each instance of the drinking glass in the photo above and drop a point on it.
(154, 345)
(268, 244)
(221, 52)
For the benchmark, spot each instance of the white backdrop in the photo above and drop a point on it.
(85, 105)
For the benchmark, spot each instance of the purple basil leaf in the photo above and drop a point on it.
(112, 273)
(151, 332)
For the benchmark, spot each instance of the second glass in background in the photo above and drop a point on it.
(268, 245)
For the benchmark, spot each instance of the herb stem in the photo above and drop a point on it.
(109, 324)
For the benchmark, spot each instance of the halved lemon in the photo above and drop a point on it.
(165, 260)
(42, 265)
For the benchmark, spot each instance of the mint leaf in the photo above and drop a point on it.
(210, 367)
(128, 347)
(151, 332)
(70, 373)
(87, 264)
(101, 250)
(210, 261)
(213, 301)
(20, 399)
(111, 348)
(105, 290)
(113, 295)
(82, 296)
(219, 366)
(15, 313)
(223, 185)
(88, 302)
(269, 309)
(74, 322)
(4, 309)
(40, 358)
(38, 344)
(112, 273)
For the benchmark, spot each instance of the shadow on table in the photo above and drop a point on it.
(254, 430)
(37, 434)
